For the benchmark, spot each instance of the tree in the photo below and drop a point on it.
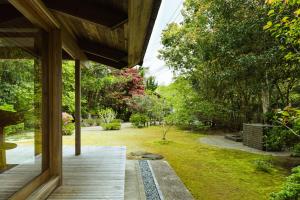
(229, 60)
(102, 88)
(68, 92)
(284, 25)
(151, 84)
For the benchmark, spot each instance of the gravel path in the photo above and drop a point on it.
(149, 183)
(220, 141)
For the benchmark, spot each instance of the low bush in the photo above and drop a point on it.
(139, 120)
(68, 129)
(296, 150)
(14, 129)
(114, 125)
(107, 115)
(274, 139)
(291, 188)
(88, 122)
(263, 165)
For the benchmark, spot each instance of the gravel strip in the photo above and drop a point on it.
(149, 183)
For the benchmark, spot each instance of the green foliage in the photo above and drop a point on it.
(7, 107)
(113, 125)
(89, 122)
(151, 84)
(284, 25)
(14, 129)
(68, 129)
(106, 115)
(139, 120)
(263, 165)
(150, 105)
(188, 110)
(68, 89)
(290, 189)
(296, 150)
(102, 88)
(231, 64)
(275, 139)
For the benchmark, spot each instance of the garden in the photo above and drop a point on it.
(235, 62)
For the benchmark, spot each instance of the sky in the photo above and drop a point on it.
(169, 12)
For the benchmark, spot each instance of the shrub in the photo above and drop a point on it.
(296, 150)
(88, 122)
(68, 129)
(107, 115)
(114, 125)
(291, 188)
(274, 139)
(263, 165)
(13, 129)
(139, 120)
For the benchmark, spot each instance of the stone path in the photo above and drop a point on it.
(221, 142)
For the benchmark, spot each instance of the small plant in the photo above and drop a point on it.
(68, 126)
(274, 139)
(263, 165)
(107, 115)
(296, 150)
(139, 120)
(68, 129)
(290, 189)
(114, 125)
(14, 129)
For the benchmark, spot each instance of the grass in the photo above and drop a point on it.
(210, 173)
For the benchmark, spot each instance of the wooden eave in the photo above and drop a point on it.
(115, 33)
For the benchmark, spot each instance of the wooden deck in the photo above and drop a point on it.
(99, 173)
(14, 179)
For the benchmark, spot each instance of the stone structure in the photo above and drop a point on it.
(253, 135)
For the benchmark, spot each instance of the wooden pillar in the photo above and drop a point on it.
(55, 102)
(2, 150)
(77, 108)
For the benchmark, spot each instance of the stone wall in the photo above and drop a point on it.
(253, 135)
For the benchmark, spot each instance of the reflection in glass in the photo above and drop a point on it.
(20, 117)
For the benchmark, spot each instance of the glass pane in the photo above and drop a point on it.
(20, 108)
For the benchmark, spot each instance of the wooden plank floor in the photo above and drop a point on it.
(14, 179)
(99, 173)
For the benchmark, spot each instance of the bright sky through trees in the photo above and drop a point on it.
(169, 12)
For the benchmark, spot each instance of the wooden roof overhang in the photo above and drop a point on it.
(115, 32)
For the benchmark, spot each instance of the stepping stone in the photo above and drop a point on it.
(146, 155)
(152, 156)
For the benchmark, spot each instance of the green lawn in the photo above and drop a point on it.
(209, 173)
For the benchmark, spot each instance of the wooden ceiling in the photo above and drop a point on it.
(114, 32)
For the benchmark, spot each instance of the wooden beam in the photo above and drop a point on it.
(17, 34)
(92, 12)
(55, 102)
(140, 15)
(102, 50)
(38, 14)
(15, 53)
(31, 187)
(118, 65)
(77, 108)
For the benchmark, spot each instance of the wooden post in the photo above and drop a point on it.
(77, 108)
(2, 151)
(55, 102)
